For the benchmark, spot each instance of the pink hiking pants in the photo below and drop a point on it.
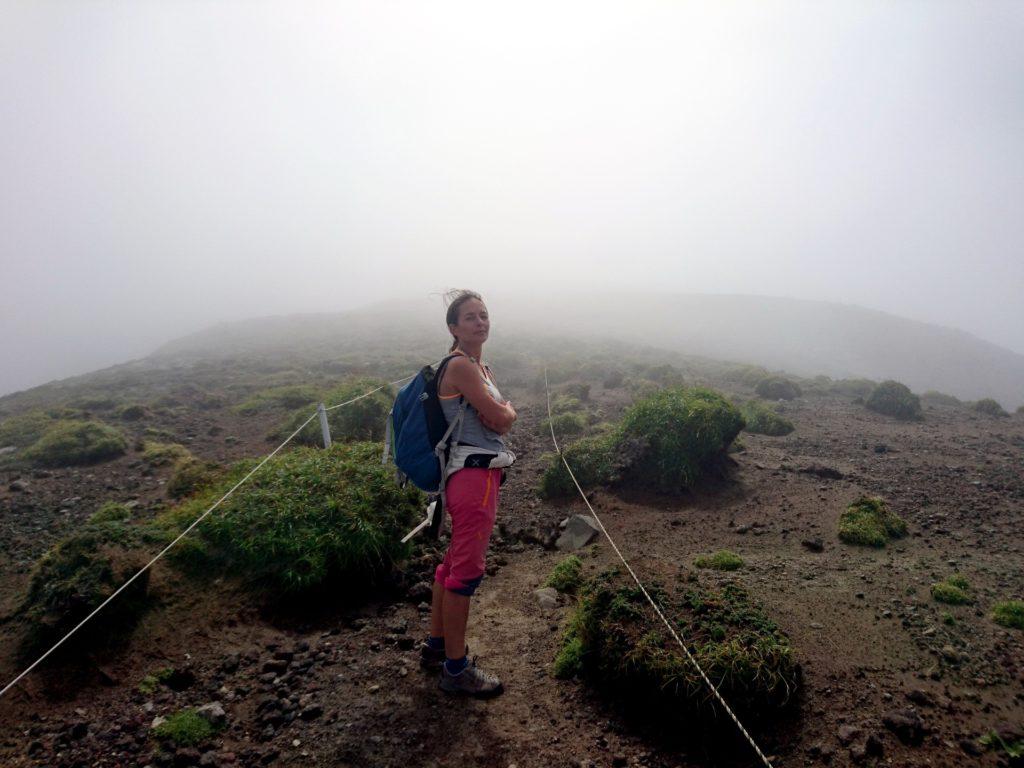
(472, 496)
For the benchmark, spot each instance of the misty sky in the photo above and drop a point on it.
(167, 165)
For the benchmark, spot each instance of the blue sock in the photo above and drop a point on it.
(455, 666)
(435, 643)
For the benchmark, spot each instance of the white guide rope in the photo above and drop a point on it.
(643, 589)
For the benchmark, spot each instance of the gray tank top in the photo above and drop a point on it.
(472, 431)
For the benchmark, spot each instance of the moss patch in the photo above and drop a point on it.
(868, 522)
(722, 560)
(185, 729)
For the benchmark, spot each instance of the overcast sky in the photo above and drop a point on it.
(167, 165)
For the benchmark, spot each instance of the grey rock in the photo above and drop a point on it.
(579, 531)
(547, 597)
(848, 733)
(213, 712)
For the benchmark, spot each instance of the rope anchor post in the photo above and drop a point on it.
(325, 428)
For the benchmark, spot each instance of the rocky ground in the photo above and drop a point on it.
(887, 681)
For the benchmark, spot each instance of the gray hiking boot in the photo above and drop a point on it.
(472, 681)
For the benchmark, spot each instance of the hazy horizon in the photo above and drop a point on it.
(168, 167)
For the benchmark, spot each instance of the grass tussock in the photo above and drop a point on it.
(280, 398)
(74, 577)
(667, 441)
(868, 522)
(614, 642)
(890, 398)
(762, 420)
(567, 575)
(192, 475)
(363, 419)
(722, 560)
(157, 454)
(67, 443)
(778, 388)
(23, 430)
(565, 425)
(954, 590)
(1009, 613)
(111, 512)
(989, 407)
(934, 397)
(311, 517)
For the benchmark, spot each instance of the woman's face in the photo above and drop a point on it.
(474, 323)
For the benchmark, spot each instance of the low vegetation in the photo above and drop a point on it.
(565, 425)
(74, 577)
(932, 397)
(778, 388)
(23, 430)
(722, 560)
(763, 420)
(868, 522)
(111, 512)
(68, 443)
(989, 407)
(277, 398)
(666, 441)
(363, 419)
(613, 642)
(310, 518)
(191, 475)
(891, 398)
(1009, 613)
(185, 728)
(161, 454)
(567, 575)
(954, 590)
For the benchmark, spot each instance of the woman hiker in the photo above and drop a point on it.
(474, 474)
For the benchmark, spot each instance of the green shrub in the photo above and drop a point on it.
(132, 412)
(748, 375)
(152, 682)
(931, 397)
(308, 518)
(868, 522)
(989, 407)
(185, 728)
(70, 443)
(161, 454)
(952, 591)
(722, 560)
(290, 397)
(1012, 750)
(777, 388)
(566, 575)
(894, 399)
(576, 389)
(614, 642)
(191, 475)
(681, 434)
(666, 441)
(762, 420)
(74, 577)
(592, 460)
(21, 431)
(1009, 613)
(111, 512)
(364, 419)
(613, 380)
(566, 424)
(853, 387)
(565, 404)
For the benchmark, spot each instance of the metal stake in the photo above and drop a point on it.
(324, 428)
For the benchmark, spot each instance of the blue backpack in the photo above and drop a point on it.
(417, 431)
